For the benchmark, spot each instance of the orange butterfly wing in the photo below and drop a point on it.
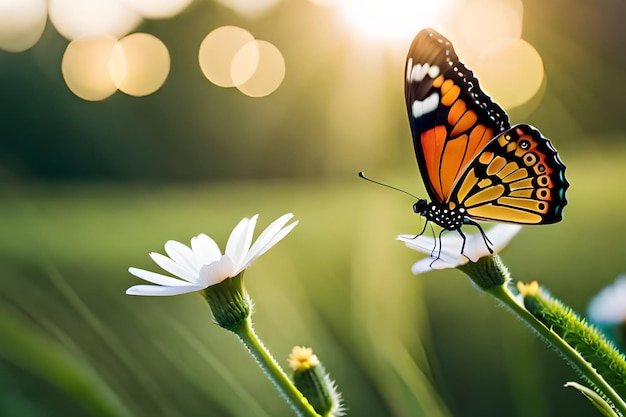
(451, 119)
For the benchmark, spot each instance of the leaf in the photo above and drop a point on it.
(600, 403)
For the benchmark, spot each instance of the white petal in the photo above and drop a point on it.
(499, 235)
(240, 239)
(476, 247)
(162, 291)
(449, 252)
(217, 271)
(181, 254)
(427, 264)
(273, 234)
(425, 244)
(608, 307)
(173, 268)
(205, 249)
(158, 279)
(451, 242)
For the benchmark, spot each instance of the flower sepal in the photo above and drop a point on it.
(229, 301)
(486, 272)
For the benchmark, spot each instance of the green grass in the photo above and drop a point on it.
(397, 345)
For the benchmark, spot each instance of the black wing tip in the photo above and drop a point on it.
(430, 36)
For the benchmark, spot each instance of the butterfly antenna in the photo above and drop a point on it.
(362, 175)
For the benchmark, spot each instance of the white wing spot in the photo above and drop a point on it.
(419, 71)
(428, 105)
(433, 72)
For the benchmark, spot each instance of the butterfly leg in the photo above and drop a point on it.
(482, 232)
(423, 229)
(463, 244)
(432, 253)
(438, 240)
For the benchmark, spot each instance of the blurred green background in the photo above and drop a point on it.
(89, 188)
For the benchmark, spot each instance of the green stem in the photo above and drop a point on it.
(504, 295)
(272, 370)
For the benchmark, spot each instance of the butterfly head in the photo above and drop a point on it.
(420, 206)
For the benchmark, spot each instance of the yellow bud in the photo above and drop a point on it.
(531, 289)
(302, 358)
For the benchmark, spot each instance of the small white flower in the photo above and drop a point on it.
(450, 255)
(202, 265)
(608, 307)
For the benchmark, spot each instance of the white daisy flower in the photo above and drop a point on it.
(608, 307)
(203, 264)
(450, 255)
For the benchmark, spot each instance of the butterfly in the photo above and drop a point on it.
(475, 166)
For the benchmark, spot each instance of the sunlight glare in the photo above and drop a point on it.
(85, 67)
(511, 73)
(139, 64)
(158, 9)
(258, 69)
(77, 18)
(217, 51)
(477, 24)
(250, 8)
(21, 23)
(391, 20)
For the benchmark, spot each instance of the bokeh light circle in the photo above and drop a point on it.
(158, 9)
(85, 67)
(258, 68)
(80, 18)
(139, 64)
(478, 24)
(511, 73)
(217, 51)
(22, 23)
(250, 8)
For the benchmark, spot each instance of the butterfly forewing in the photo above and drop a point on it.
(451, 119)
(517, 178)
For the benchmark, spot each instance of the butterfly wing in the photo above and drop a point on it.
(451, 119)
(517, 178)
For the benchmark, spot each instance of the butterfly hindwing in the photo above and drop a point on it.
(517, 178)
(451, 118)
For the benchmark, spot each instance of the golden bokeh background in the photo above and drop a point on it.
(125, 123)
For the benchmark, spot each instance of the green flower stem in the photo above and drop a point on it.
(575, 359)
(477, 272)
(272, 370)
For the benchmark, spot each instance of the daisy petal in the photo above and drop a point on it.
(608, 307)
(417, 243)
(450, 252)
(240, 239)
(158, 279)
(450, 255)
(502, 234)
(427, 264)
(217, 271)
(156, 290)
(205, 249)
(181, 254)
(273, 234)
(174, 268)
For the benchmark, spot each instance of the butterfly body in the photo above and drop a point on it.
(441, 214)
(475, 166)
